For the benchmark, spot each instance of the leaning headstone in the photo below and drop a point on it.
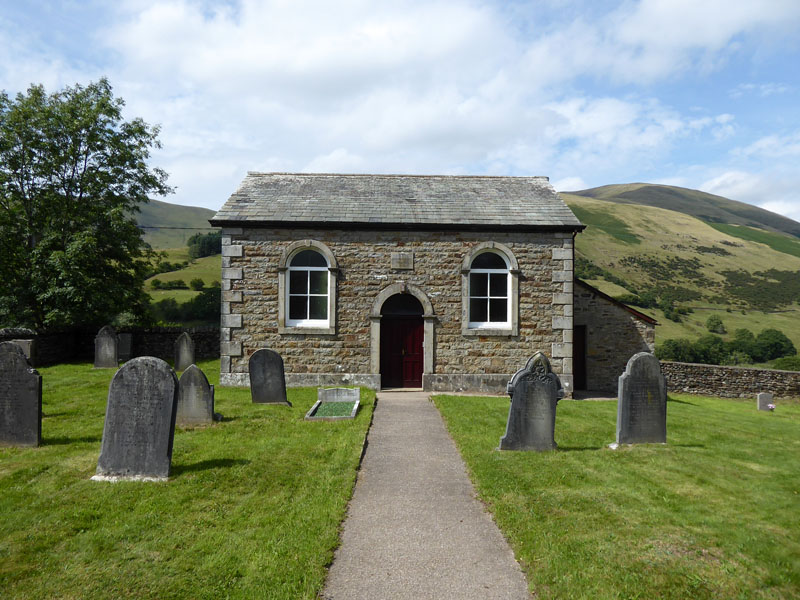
(195, 398)
(642, 402)
(184, 352)
(105, 349)
(140, 422)
(764, 399)
(267, 378)
(535, 390)
(20, 399)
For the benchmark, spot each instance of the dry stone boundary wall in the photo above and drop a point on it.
(729, 382)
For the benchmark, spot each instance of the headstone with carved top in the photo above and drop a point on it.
(140, 422)
(642, 402)
(535, 390)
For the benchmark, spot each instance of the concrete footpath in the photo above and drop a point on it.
(414, 528)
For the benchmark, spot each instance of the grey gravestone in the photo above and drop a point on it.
(764, 399)
(267, 378)
(642, 402)
(125, 346)
(338, 394)
(535, 391)
(184, 352)
(105, 349)
(12, 347)
(140, 422)
(20, 399)
(195, 398)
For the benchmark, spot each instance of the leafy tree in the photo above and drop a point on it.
(72, 174)
(197, 284)
(772, 343)
(787, 363)
(679, 350)
(715, 325)
(205, 244)
(156, 284)
(710, 350)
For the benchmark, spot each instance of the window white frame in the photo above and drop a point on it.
(489, 295)
(285, 295)
(509, 327)
(308, 288)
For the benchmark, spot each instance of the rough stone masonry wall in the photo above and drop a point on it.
(613, 335)
(729, 382)
(250, 305)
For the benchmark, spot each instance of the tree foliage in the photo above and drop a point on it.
(715, 325)
(204, 244)
(744, 348)
(72, 175)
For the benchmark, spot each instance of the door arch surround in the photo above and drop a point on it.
(428, 318)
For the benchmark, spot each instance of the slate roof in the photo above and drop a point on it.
(396, 201)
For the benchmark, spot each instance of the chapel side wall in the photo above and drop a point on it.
(613, 335)
(249, 319)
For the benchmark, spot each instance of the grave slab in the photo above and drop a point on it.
(267, 378)
(642, 402)
(20, 399)
(535, 391)
(140, 422)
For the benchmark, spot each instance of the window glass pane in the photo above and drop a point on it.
(498, 285)
(477, 310)
(298, 282)
(478, 284)
(297, 307)
(319, 282)
(318, 307)
(498, 310)
(488, 260)
(309, 258)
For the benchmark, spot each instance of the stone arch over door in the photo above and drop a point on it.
(428, 318)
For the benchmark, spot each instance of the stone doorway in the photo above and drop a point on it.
(402, 336)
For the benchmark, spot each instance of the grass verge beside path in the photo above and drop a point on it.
(713, 514)
(252, 509)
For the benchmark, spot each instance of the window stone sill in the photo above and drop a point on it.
(504, 332)
(307, 330)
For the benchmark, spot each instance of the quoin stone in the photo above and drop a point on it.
(763, 400)
(140, 422)
(195, 398)
(642, 402)
(267, 378)
(106, 349)
(535, 391)
(20, 399)
(184, 352)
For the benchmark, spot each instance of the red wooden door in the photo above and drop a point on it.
(401, 351)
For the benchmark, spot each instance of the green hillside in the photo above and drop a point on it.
(168, 225)
(704, 206)
(748, 276)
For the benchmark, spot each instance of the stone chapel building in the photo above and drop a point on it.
(448, 283)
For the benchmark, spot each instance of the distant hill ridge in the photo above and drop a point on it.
(168, 225)
(706, 207)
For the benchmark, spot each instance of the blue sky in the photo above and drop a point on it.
(701, 94)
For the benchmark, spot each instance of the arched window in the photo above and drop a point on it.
(309, 286)
(307, 274)
(489, 291)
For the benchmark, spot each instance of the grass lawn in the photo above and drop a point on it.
(715, 513)
(252, 508)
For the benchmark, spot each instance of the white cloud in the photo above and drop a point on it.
(570, 184)
(774, 191)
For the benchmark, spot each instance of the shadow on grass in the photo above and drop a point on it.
(670, 399)
(578, 448)
(65, 441)
(205, 465)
